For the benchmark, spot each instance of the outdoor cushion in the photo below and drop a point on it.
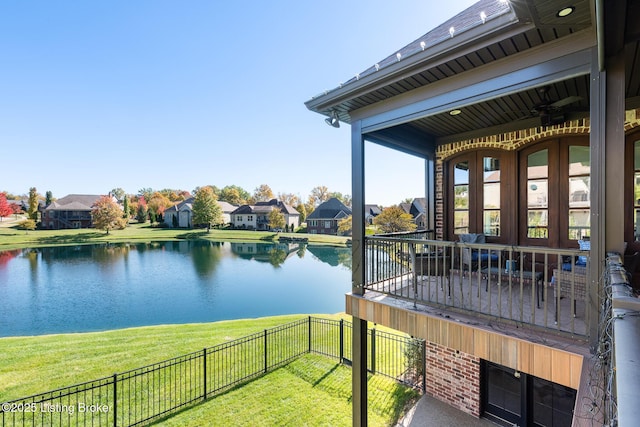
(585, 245)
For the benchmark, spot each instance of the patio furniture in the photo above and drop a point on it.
(506, 276)
(570, 281)
(475, 259)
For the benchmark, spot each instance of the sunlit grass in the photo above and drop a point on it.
(310, 391)
(12, 238)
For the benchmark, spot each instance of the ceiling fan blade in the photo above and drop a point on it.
(566, 101)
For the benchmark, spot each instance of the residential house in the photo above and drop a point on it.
(181, 214)
(370, 212)
(527, 116)
(418, 211)
(325, 218)
(71, 211)
(256, 216)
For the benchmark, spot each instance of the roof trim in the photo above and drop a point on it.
(472, 39)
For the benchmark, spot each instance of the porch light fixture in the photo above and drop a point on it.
(455, 112)
(399, 56)
(565, 11)
(377, 67)
(451, 31)
(423, 45)
(483, 16)
(333, 120)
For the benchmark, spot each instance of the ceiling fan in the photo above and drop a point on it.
(551, 112)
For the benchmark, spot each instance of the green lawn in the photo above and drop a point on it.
(12, 238)
(312, 390)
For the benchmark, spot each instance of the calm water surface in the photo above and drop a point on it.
(89, 288)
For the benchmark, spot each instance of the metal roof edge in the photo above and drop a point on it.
(395, 72)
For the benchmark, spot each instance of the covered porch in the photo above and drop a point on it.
(527, 116)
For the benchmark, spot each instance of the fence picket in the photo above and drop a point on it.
(174, 384)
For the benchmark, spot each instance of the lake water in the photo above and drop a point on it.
(99, 287)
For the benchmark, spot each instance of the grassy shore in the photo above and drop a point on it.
(12, 238)
(313, 385)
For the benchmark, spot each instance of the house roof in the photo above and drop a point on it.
(372, 210)
(188, 205)
(74, 202)
(266, 207)
(489, 69)
(331, 209)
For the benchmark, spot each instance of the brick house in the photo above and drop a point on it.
(71, 211)
(527, 116)
(325, 218)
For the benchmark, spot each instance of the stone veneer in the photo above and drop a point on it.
(453, 377)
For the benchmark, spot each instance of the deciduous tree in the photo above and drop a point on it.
(234, 194)
(289, 199)
(107, 215)
(206, 210)
(394, 220)
(318, 195)
(276, 220)
(263, 193)
(5, 209)
(344, 225)
(32, 212)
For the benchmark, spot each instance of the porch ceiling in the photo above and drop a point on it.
(522, 27)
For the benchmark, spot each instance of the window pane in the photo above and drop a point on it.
(538, 193)
(492, 196)
(461, 173)
(492, 223)
(636, 155)
(538, 164)
(579, 192)
(461, 222)
(579, 163)
(491, 169)
(579, 223)
(461, 197)
(537, 224)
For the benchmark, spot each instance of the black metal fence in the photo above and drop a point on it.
(143, 395)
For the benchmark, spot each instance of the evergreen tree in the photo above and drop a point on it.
(48, 198)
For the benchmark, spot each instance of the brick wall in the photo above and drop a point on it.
(454, 378)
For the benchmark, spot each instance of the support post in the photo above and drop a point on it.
(359, 334)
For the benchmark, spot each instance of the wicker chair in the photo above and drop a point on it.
(565, 280)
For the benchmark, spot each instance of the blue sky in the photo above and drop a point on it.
(96, 95)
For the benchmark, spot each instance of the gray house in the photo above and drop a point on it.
(181, 214)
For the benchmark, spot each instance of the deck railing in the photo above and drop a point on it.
(538, 286)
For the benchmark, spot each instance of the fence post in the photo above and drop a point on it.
(341, 340)
(266, 362)
(204, 368)
(373, 350)
(423, 347)
(309, 337)
(115, 400)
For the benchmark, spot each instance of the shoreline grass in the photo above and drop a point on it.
(12, 238)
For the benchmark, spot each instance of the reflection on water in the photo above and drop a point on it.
(108, 286)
